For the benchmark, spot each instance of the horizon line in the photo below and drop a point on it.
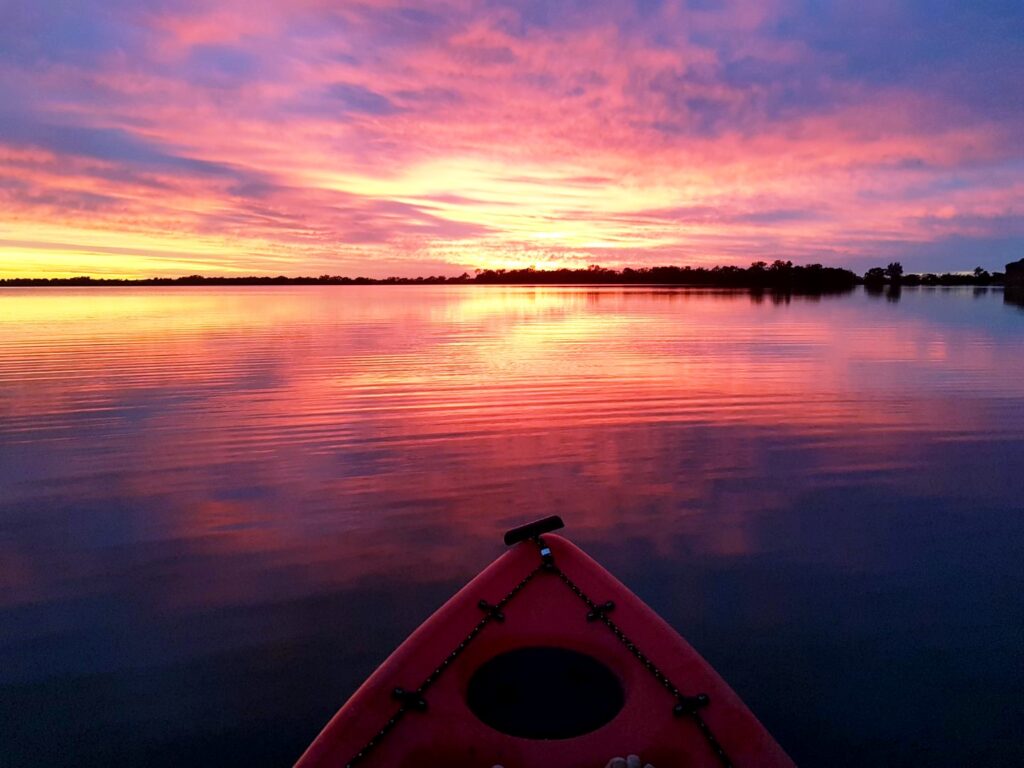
(779, 274)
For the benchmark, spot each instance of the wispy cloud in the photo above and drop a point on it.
(382, 137)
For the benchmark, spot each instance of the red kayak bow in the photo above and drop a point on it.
(544, 660)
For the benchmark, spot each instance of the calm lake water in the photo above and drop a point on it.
(220, 509)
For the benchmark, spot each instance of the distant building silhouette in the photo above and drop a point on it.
(1015, 274)
(1014, 291)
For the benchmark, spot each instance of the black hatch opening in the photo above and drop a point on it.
(544, 693)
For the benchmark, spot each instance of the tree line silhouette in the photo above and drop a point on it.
(894, 275)
(781, 276)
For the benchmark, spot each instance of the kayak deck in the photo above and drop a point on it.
(544, 659)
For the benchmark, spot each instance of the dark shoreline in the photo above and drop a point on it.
(778, 277)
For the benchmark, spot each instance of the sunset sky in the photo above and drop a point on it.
(301, 137)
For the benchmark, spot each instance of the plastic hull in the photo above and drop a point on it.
(546, 611)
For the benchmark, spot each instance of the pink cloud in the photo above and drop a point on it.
(303, 136)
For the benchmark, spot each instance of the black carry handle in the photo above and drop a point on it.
(532, 530)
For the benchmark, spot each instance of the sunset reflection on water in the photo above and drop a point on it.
(221, 508)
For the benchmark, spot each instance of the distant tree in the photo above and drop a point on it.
(894, 271)
(874, 276)
(982, 275)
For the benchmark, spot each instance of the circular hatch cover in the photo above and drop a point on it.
(544, 693)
